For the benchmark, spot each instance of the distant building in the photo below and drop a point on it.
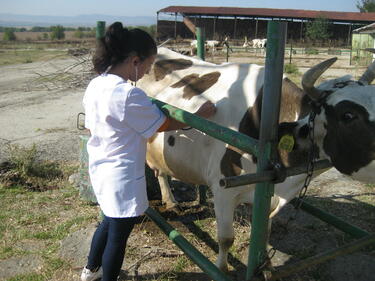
(237, 23)
(363, 38)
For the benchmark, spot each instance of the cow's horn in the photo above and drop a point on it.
(369, 74)
(310, 77)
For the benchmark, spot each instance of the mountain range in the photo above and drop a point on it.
(13, 20)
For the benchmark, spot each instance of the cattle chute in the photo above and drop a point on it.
(265, 149)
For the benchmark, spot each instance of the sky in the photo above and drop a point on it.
(150, 7)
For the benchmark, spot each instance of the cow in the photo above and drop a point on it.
(210, 45)
(259, 43)
(246, 44)
(236, 89)
(344, 123)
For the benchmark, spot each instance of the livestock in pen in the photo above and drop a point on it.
(210, 45)
(193, 157)
(255, 43)
(246, 43)
(259, 43)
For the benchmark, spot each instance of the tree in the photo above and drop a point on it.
(318, 29)
(40, 29)
(9, 35)
(79, 34)
(57, 32)
(366, 6)
(151, 29)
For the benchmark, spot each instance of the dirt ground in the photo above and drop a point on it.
(31, 113)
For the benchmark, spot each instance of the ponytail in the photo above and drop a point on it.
(119, 43)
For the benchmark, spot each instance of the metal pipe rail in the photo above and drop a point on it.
(237, 139)
(271, 175)
(307, 263)
(273, 72)
(206, 265)
(354, 231)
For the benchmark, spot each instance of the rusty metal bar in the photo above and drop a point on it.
(307, 263)
(205, 264)
(331, 219)
(270, 175)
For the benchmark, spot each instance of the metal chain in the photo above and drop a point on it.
(302, 194)
(267, 260)
(311, 158)
(309, 169)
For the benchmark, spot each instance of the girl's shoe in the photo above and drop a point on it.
(88, 275)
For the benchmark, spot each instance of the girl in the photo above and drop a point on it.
(120, 118)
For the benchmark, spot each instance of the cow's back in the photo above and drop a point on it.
(185, 82)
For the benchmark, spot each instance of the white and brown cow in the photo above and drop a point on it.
(210, 45)
(236, 89)
(259, 43)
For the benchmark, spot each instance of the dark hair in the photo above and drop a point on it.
(119, 43)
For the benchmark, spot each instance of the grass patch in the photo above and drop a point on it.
(35, 222)
(16, 56)
(181, 264)
(23, 168)
(21, 52)
(291, 68)
(311, 51)
(28, 277)
(41, 218)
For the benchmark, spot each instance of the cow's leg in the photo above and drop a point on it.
(224, 203)
(166, 193)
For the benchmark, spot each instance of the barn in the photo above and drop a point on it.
(236, 23)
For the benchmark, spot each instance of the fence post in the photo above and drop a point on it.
(200, 42)
(276, 33)
(100, 29)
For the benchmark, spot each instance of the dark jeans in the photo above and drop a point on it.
(108, 246)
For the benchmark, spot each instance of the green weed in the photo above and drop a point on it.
(28, 277)
(291, 68)
(181, 263)
(24, 168)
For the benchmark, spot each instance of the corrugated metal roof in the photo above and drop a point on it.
(272, 13)
(366, 29)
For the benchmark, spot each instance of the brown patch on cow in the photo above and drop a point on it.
(186, 80)
(249, 125)
(293, 103)
(230, 164)
(250, 122)
(195, 85)
(164, 67)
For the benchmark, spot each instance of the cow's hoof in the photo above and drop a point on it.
(224, 269)
(174, 208)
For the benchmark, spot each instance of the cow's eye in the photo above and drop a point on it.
(348, 117)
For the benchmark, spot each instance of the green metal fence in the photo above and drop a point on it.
(265, 150)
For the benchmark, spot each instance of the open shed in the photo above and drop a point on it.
(236, 23)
